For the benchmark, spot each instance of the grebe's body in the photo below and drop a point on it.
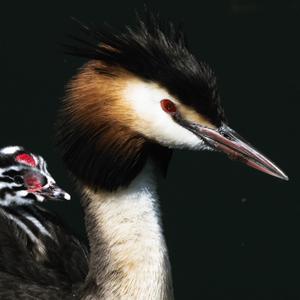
(141, 95)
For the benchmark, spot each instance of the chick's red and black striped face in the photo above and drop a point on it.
(24, 178)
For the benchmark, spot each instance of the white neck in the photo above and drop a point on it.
(129, 257)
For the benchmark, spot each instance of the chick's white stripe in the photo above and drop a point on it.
(12, 168)
(35, 159)
(8, 185)
(39, 225)
(10, 150)
(22, 226)
(42, 164)
(9, 200)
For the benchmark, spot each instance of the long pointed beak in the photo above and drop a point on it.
(226, 140)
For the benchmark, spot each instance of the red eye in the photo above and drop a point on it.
(26, 159)
(33, 181)
(168, 106)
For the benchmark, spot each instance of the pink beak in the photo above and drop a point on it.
(226, 140)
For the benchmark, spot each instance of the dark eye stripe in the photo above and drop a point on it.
(6, 179)
(11, 173)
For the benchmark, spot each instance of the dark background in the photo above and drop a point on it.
(231, 230)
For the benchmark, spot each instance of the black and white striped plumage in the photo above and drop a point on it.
(39, 259)
(24, 178)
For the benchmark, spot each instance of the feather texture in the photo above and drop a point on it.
(156, 51)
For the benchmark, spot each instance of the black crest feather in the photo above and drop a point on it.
(156, 51)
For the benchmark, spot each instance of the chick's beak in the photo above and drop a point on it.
(226, 140)
(54, 192)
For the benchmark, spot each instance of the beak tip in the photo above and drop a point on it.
(281, 175)
(226, 140)
(67, 196)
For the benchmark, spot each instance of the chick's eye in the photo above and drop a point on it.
(168, 106)
(34, 181)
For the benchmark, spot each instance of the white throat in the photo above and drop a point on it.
(129, 257)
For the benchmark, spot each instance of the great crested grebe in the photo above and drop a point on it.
(141, 95)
